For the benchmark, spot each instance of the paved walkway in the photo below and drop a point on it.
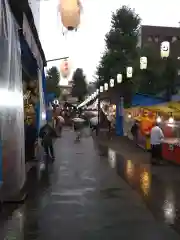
(82, 197)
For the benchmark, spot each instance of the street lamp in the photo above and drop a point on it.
(119, 78)
(111, 82)
(165, 49)
(143, 63)
(129, 72)
(106, 86)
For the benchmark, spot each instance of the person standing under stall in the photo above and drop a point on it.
(60, 122)
(110, 119)
(156, 137)
(47, 133)
(134, 131)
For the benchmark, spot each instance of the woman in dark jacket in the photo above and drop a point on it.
(47, 133)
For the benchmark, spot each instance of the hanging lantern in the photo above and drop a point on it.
(111, 82)
(165, 49)
(106, 86)
(101, 89)
(143, 63)
(70, 13)
(129, 72)
(65, 68)
(158, 119)
(119, 78)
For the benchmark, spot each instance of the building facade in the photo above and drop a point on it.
(154, 35)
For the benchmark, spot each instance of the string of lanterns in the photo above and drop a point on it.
(164, 52)
(89, 99)
(158, 118)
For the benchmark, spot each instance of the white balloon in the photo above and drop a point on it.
(119, 78)
(106, 86)
(165, 49)
(129, 72)
(143, 63)
(111, 82)
(101, 89)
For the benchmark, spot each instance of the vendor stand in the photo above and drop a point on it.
(145, 119)
(169, 121)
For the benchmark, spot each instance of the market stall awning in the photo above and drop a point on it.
(167, 108)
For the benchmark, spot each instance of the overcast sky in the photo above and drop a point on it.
(85, 46)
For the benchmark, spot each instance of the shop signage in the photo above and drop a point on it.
(31, 42)
(171, 147)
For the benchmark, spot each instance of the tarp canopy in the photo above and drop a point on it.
(167, 108)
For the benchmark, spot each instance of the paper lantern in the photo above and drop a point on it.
(106, 86)
(70, 13)
(165, 49)
(65, 68)
(129, 72)
(101, 89)
(143, 63)
(119, 78)
(111, 82)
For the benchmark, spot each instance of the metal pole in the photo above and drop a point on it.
(57, 59)
(98, 126)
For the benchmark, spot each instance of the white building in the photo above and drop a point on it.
(35, 8)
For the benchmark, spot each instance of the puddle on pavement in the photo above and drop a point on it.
(161, 197)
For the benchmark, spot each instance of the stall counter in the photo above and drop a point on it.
(171, 149)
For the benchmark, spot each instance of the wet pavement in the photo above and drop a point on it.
(88, 196)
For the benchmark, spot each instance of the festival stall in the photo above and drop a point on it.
(168, 117)
(109, 111)
(169, 120)
(145, 118)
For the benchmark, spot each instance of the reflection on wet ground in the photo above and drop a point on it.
(158, 185)
(84, 196)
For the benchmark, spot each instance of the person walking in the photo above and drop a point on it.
(156, 137)
(134, 131)
(60, 122)
(47, 133)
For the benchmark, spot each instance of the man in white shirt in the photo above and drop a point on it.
(156, 138)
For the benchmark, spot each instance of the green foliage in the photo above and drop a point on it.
(79, 88)
(121, 42)
(122, 51)
(52, 81)
(160, 74)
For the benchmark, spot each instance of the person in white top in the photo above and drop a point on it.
(156, 137)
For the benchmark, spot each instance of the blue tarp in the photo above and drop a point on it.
(146, 100)
(44, 87)
(29, 63)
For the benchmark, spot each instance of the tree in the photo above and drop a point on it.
(160, 74)
(52, 81)
(79, 88)
(121, 45)
(122, 51)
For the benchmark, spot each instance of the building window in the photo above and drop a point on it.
(156, 39)
(150, 39)
(174, 39)
(168, 38)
